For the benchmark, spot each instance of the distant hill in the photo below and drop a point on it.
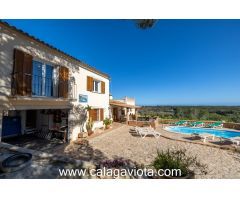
(216, 113)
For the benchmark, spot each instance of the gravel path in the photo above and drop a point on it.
(120, 143)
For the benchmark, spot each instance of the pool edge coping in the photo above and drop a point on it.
(232, 148)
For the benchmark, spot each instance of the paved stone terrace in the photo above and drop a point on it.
(217, 142)
(43, 165)
(120, 143)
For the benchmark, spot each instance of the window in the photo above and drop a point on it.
(42, 79)
(96, 114)
(73, 91)
(49, 81)
(34, 78)
(37, 78)
(96, 86)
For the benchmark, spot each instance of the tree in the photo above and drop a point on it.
(215, 117)
(145, 23)
(235, 118)
(203, 114)
(179, 113)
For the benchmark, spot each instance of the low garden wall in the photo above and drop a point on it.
(154, 123)
(232, 125)
(172, 121)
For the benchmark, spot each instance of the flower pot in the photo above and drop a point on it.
(82, 135)
(90, 132)
(107, 126)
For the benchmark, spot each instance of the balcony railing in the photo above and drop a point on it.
(36, 85)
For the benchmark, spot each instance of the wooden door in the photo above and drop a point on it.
(115, 114)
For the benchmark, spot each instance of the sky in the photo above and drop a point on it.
(177, 62)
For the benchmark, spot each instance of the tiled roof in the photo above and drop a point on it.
(84, 65)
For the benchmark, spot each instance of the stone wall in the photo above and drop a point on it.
(152, 123)
(232, 125)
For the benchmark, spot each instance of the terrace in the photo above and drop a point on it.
(119, 143)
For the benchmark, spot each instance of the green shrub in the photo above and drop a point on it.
(177, 159)
(107, 121)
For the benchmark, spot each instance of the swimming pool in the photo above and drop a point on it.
(190, 130)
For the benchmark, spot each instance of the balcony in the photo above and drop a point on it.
(30, 85)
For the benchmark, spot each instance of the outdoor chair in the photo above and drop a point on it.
(235, 140)
(44, 134)
(206, 136)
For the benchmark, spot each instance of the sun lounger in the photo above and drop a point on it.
(144, 131)
(205, 136)
(215, 125)
(235, 140)
(197, 124)
(136, 128)
(191, 124)
(181, 123)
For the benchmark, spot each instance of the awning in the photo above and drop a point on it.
(28, 103)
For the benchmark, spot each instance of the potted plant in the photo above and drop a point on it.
(79, 117)
(89, 126)
(177, 159)
(88, 108)
(107, 122)
(133, 117)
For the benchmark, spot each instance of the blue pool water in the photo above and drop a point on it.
(190, 130)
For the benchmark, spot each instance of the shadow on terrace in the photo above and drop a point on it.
(80, 151)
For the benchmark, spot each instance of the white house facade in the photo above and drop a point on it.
(43, 88)
(124, 109)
